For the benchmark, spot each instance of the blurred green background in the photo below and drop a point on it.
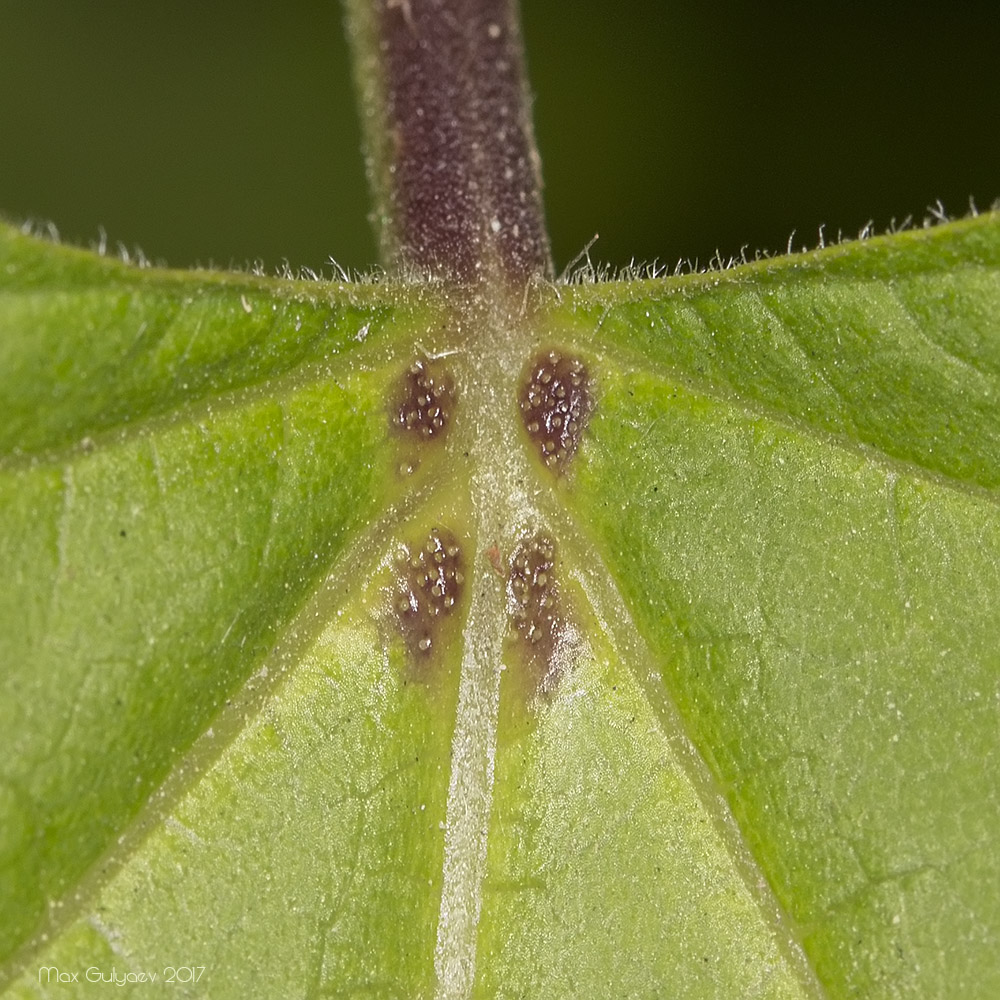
(226, 132)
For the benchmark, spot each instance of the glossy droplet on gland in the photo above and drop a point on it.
(424, 402)
(555, 402)
(430, 581)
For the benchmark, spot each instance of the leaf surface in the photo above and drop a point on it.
(760, 761)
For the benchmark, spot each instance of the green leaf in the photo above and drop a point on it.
(761, 760)
(470, 635)
(184, 459)
(792, 479)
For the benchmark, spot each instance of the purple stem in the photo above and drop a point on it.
(464, 185)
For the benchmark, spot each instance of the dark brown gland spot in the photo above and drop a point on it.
(431, 580)
(425, 400)
(556, 403)
(534, 602)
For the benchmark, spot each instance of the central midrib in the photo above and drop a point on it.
(500, 493)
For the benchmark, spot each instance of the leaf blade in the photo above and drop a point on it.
(817, 594)
(133, 617)
(760, 548)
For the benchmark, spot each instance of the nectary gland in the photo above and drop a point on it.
(555, 402)
(429, 590)
(533, 600)
(424, 401)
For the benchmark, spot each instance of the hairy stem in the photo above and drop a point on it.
(450, 150)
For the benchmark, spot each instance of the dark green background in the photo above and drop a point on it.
(226, 131)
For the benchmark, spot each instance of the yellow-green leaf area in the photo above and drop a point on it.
(609, 873)
(824, 619)
(270, 875)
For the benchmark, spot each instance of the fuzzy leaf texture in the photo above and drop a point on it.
(764, 763)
